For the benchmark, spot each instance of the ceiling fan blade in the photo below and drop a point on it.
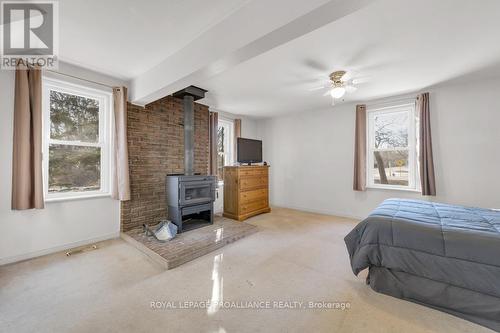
(351, 89)
(327, 93)
(360, 80)
(347, 76)
(315, 65)
(318, 88)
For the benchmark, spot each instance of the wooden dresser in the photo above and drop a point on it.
(246, 191)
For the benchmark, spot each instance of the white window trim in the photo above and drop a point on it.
(105, 139)
(230, 141)
(230, 138)
(413, 179)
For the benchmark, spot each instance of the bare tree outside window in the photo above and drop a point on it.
(220, 153)
(74, 166)
(76, 140)
(225, 141)
(73, 117)
(391, 149)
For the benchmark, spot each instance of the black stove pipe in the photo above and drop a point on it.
(189, 96)
(188, 135)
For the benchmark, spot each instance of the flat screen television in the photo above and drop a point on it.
(249, 151)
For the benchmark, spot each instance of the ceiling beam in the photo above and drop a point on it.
(256, 28)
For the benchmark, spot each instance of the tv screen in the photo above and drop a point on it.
(249, 151)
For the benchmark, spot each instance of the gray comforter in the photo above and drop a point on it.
(443, 256)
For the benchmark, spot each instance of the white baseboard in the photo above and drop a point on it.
(34, 254)
(322, 211)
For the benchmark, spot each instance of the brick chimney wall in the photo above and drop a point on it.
(156, 148)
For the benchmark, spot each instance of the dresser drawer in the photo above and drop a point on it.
(253, 172)
(246, 191)
(253, 183)
(253, 195)
(253, 206)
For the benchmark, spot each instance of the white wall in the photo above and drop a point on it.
(311, 154)
(249, 128)
(61, 225)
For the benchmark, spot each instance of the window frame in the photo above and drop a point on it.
(229, 123)
(413, 167)
(104, 143)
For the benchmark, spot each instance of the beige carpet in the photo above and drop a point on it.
(294, 257)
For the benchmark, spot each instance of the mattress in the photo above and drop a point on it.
(438, 254)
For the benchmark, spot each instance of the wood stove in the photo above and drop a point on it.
(190, 200)
(190, 197)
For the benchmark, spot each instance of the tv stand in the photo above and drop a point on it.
(246, 191)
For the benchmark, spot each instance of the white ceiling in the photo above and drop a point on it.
(402, 45)
(124, 38)
(262, 57)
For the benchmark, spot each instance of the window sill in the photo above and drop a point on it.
(78, 197)
(392, 188)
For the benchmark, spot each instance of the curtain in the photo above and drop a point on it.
(359, 183)
(213, 125)
(237, 129)
(27, 179)
(237, 134)
(121, 178)
(426, 160)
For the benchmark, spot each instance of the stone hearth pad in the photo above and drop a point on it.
(189, 245)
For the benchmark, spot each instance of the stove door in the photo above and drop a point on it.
(193, 193)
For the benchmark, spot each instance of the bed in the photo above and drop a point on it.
(439, 255)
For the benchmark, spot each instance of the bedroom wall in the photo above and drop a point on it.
(311, 153)
(61, 225)
(249, 128)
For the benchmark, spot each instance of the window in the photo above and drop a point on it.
(391, 141)
(225, 146)
(76, 140)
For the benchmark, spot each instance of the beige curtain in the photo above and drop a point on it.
(212, 132)
(27, 180)
(427, 177)
(237, 128)
(237, 134)
(359, 183)
(121, 178)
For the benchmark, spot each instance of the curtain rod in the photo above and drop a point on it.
(408, 100)
(79, 78)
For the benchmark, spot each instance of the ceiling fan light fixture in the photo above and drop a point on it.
(337, 92)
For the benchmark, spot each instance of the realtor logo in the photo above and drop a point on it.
(29, 33)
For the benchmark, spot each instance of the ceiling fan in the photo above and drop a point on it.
(340, 83)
